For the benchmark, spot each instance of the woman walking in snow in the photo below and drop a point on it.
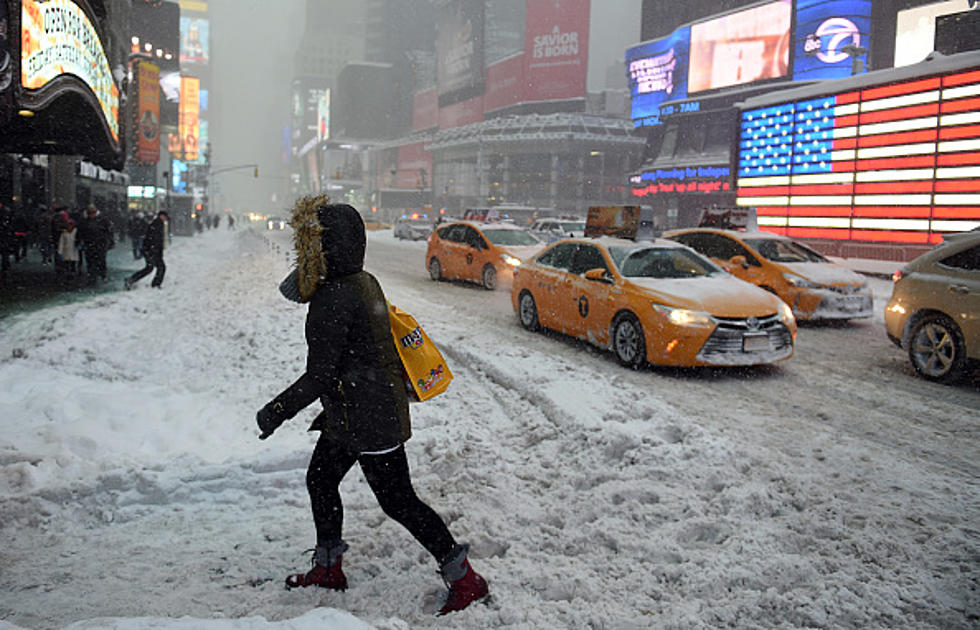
(353, 367)
(68, 251)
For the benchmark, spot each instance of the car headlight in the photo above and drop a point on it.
(785, 313)
(800, 281)
(513, 261)
(684, 317)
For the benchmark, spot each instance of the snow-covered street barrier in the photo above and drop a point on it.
(135, 494)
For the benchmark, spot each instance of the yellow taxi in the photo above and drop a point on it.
(651, 301)
(485, 253)
(813, 286)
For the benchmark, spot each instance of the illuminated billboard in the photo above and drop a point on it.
(824, 31)
(323, 116)
(657, 72)
(890, 162)
(147, 133)
(202, 143)
(58, 39)
(6, 62)
(742, 47)
(308, 105)
(189, 125)
(556, 49)
(459, 51)
(194, 39)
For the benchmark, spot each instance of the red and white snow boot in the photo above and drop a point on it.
(465, 585)
(326, 572)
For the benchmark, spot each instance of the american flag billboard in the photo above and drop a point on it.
(898, 162)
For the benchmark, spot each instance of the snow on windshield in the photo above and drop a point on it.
(510, 237)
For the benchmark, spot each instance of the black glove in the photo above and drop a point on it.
(269, 418)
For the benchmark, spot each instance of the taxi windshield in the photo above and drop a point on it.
(778, 250)
(510, 237)
(572, 226)
(661, 262)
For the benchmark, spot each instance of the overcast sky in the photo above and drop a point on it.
(251, 58)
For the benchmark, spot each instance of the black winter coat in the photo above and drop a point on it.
(96, 233)
(352, 365)
(153, 239)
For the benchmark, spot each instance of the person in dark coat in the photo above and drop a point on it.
(153, 243)
(95, 233)
(135, 230)
(6, 239)
(354, 370)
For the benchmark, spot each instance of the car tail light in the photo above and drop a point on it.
(898, 275)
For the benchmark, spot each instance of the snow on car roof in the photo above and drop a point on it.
(492, 225)
(736, 233)
(610, 241)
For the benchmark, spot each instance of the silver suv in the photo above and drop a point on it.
(934, 311)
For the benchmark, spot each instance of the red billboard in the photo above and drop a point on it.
(556, 49)
(460, 114)
(505, 84)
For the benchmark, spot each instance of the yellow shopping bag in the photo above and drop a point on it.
(426, 372)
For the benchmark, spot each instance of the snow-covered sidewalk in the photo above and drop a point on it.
(134, 493)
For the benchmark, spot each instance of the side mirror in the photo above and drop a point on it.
(739, 261)
(598, 275)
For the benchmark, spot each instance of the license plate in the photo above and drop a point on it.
(756, 343)
(852, 303)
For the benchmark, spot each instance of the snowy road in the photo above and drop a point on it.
(833, 490)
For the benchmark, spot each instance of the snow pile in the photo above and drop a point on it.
(134, 493)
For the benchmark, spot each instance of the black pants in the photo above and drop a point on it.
(389, 479)
(152, 262)
(95, 261)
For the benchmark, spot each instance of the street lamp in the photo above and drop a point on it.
(602, 171)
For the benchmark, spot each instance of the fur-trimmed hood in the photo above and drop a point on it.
(329, 241)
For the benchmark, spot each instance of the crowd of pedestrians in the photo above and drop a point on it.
(74, 241)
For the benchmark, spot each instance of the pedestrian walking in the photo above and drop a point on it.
(68, 253)
(153, 244)
(95, 232)
(354, 369)
(231, 222)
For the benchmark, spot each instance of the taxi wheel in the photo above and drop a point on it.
(435, 269)
(628, 341)
(527, 311)
(937, 349)
(489, 277)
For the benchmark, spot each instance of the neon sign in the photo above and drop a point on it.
(896, 162)
(699, 179)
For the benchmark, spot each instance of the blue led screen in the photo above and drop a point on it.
(657, 73)
(823, 29)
